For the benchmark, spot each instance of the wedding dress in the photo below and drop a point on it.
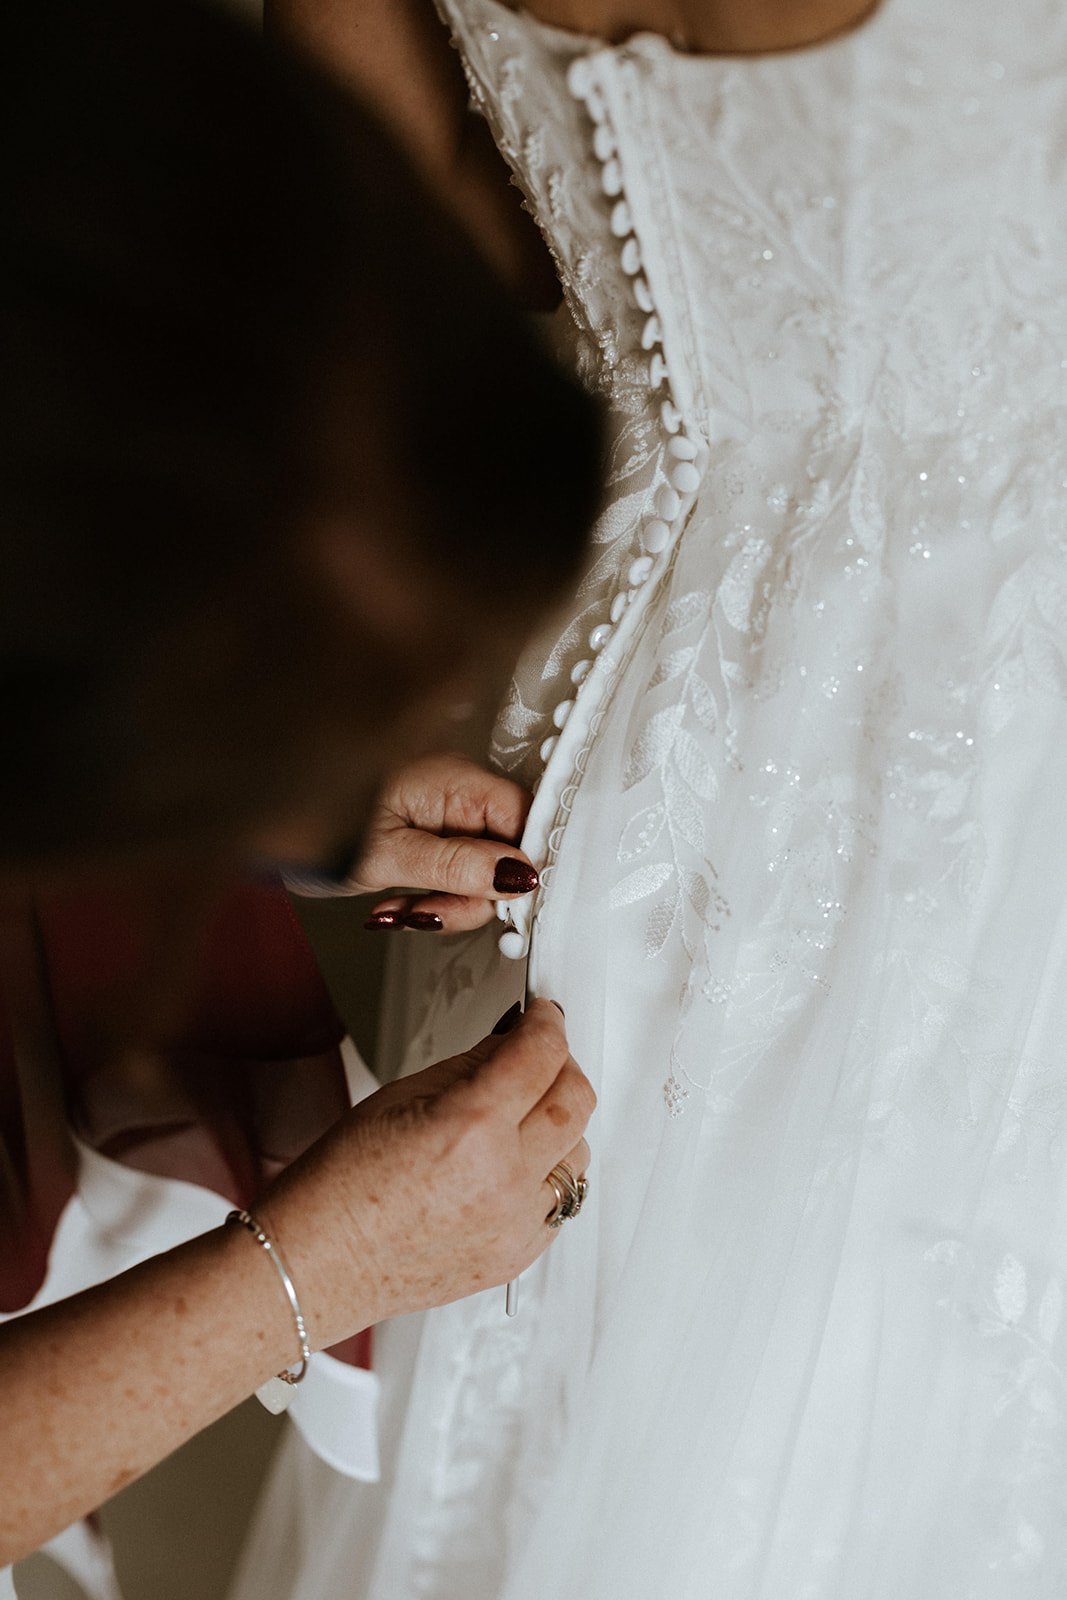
(804, 829)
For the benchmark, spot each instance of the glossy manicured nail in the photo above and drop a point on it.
(423, 922)
(384, 919)
(514, 877)
(509, 1019)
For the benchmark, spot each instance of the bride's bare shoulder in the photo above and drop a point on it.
(713, 27)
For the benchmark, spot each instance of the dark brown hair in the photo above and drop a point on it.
(229, 314)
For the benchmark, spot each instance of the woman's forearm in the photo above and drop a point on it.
(98, 1388)
(430, 1189)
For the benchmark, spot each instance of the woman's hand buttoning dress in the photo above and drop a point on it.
(801, 846)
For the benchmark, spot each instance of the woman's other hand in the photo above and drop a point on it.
(435, 1186)
(439, 826)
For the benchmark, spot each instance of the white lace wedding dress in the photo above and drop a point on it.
(807, 831)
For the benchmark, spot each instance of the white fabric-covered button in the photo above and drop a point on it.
(594, 104)
(639, 571)
(579, 77)
(682, 448)
(655, 536)
(670, 416)
(685, 477)
(631, 257)
(599, 636)
(643, 295)
(562, 712)
(657, 371)
(604, 142)
(651, 333)
(611, 177)
(580, 671)
(549, 745)
(618, 605)
(668, 502)
(513, 944)
(621, 224)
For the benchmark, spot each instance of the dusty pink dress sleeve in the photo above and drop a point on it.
(232, 1089)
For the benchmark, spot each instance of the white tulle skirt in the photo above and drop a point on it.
(806, 1340)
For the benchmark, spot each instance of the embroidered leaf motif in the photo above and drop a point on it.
(950, 795)
(565, 646)
(697, 892)
(652, 745)
(637, 885)
(619, 517)
(866, 504)
(694, 766)
(672, 665)
(1050, 1311)
(1011, 601)
(1011, 1290)
(703, 702)
(1044, 662)
(686, 813)
(688, 609)
(948, 972)
(641, 832)
(737, 592)
(660, 922)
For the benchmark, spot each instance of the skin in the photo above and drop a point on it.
(710, 27)
(431, 1189)
(435, 1186)
(438, 823)
(396, 54)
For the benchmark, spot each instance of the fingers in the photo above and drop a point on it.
(579, 1158)
(447, 793)
(576, 1161)
(557, 1122)
(433, 1081)
(391, 915)
(526, 1063)
(459, 865)
(440, 829)
(432, 913)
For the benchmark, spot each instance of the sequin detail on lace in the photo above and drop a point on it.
(659, 515)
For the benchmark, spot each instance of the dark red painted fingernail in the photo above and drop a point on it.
(423, 921)
(384, 919)
(514, 877)
(509, 1019)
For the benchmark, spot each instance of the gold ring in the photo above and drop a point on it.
(570, 1194)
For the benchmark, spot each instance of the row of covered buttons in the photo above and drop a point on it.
(682, 472)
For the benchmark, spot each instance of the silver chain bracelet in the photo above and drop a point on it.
(277, 1392)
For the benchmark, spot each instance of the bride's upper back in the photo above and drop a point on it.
(711, 27)
(789, 218)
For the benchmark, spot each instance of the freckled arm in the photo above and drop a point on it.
(99, 1388)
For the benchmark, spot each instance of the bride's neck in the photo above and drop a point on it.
(712, 27)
